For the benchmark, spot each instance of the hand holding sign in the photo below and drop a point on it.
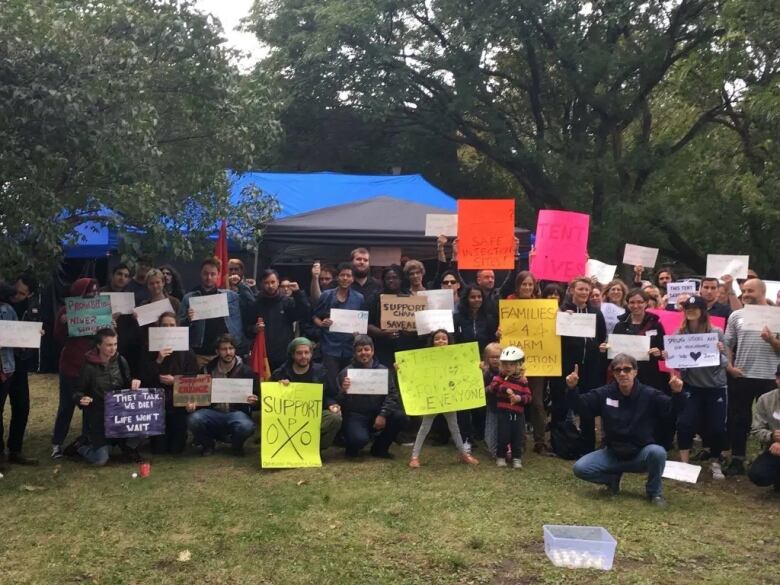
(574, 378)
(676, 384)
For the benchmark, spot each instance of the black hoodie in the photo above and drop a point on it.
(369, 404)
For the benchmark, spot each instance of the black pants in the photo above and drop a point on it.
(765, 470)
(742, 393)
(17, 389)
(511, 428)
(358, 430)
(175, 438)
(333, 365)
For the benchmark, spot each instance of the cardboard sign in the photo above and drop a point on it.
(611, 312)
(486, 233)
(575, 324)
(693, 350)
(134, 413)
(439, 299)
(721, 264)
(20, 334)
(86, 315)
(681, 471)
(756, 317)
(640, 256)
(441, 224)
(367, 381)
(231, 390)
(121, 302)
(346, 321)
(192, 390)
(396, 313)
(636, 346)
(385, 256)
(209, 306)
(530, 325)
(290, 425)
(149, 313)
(431, 320)
(176, 338)
(561, 248)
(440, 379)
(675, 289)
(604, 273)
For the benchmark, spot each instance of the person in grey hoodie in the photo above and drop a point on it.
(765, 470)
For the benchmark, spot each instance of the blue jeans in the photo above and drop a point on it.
(358, 430)
(208, 425)
(65, 411)
(603, 466)
(94, 455)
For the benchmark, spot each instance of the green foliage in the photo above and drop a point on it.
(128, 113)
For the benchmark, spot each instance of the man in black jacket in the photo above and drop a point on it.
(300, 368)
(629, 411)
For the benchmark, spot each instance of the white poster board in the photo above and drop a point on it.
(346, 321)
(439, 299)
(721, 264)
(636, 346)
(575, 324)
(20, 334)
(121, 302)
(367, 381)
(772, 288)
(441, 224)
(681, 471)
(640, 256)
(209, 306)
(604, 273)
(692, 350)
(756, 317)
(230, 390)
(431, 320)
(611, 312)
(176, 338)
(149, 313)
(675, 289)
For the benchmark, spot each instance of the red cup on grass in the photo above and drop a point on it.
(144, 468)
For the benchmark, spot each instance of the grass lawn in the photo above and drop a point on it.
(364, 521)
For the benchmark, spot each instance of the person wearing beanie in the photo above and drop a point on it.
(300, 368)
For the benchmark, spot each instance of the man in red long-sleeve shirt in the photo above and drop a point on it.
(511, 390)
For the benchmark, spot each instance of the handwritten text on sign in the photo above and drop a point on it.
(367, 381)
(20, 334)
(136, 413)
(440, 379)
(87, 315)
(209, 306)
(575, 324)
(486, 233)
(561, 245)
(290, 425)
(530, 325)
(192, 390)
(396, 313)
(697, 350)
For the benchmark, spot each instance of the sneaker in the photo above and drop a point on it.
(717, 471)
(56, 452)
(382, 454)
(658, 501)
(735, 467)
(613, 487)
(500, 462)
(414, 463)
(20, 459)
(72, 450)
(517, 464)
(700, 456)
(467, 446)
(541, 449)
(468, 459)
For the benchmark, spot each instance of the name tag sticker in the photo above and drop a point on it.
(651, 333)
(776, 415)
(611, 402)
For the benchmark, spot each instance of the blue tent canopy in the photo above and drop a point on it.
(93, 240)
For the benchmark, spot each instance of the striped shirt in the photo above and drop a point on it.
(754, 356)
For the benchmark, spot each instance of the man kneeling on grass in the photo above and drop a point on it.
(629, 411)
(224, 422)
(765, 470)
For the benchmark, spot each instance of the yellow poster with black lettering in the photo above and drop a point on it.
(440, 379)
(290, 418)
(530, 325)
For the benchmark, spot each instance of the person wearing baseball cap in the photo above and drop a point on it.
(765, 470)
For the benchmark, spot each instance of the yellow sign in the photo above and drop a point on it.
(290, 425)
(530, 325)
(440, 379)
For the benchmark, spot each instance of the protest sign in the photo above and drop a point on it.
(367, 381)
(346, 321)
(385, 256)
(486, 233)
(636, 346)
(396, 313)
(611, 312)
(438, 299)
(230, 390)
(440, 379)
(20, 334)
(86, 315)
(675, 289)
(530, 325)
(756, 317)
(441, 224)
(772, 288)
(176, 338)
(150, 312)
(209, 306)
(721, 264)
(431, 320)
(121, 302)
(561, 249)
(692, 350)
(671, 321)
(134, 413)
(681, 471)
(192, 390)
(604, 273)
(575, 324)
(640, 256)
(290, 425)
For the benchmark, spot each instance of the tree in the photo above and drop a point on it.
(127, 113)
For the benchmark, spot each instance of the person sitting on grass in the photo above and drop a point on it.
(104, 371)
(440, 338)
(224, 422)
(765, 470)
(510, 387)
(369, 415)
(629, 411)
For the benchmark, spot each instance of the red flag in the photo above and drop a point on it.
(221, 252)
(259, 357)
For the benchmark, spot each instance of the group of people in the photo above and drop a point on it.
(641, 407)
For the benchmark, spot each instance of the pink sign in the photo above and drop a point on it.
(561, 249)
(671, 321)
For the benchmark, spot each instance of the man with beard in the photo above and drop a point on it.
(363, 282)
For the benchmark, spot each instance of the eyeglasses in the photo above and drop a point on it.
(623, 370)
(449, 282)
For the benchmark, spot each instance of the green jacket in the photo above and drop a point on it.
(766, 418)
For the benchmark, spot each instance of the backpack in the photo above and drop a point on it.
(566, 440)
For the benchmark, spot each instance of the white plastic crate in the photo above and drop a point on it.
(579, 547)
